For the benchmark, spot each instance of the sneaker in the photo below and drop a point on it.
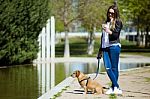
(110, 91)
(117, 91)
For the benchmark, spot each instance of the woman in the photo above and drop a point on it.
(110, 47)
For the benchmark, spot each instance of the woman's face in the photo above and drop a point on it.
(111, 14)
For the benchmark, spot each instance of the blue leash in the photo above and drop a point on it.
(97, 71)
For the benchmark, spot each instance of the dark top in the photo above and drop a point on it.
(114, 37)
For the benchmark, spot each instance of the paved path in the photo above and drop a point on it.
(133, 83)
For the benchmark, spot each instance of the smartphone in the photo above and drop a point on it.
(103, 25)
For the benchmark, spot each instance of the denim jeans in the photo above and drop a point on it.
(111, 59)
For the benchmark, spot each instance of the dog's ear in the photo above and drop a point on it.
(77, 73)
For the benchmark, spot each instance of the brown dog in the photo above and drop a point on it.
(88, 83)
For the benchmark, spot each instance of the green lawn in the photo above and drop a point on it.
(78, 48)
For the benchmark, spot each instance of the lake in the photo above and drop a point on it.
(31, 81)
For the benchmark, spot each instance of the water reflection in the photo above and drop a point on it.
(46, 77)
(30, 82)
(18, 83)
(126, 66)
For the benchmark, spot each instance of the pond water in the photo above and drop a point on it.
(30, 82)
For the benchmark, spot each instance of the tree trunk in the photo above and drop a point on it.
(142, 38)
(67, 49)
(146, 37)
(90, 43)
(138, 33)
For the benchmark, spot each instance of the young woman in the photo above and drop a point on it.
(110, 47)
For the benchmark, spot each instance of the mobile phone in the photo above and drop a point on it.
(103, 25)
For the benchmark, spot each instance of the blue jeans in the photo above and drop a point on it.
(111, 59)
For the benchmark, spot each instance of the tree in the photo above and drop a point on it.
(21, 22)
(93, 14)
(64, 12)
(145, 19)
(89, 12)
(138, 11)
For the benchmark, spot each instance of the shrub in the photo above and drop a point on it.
(20, 24)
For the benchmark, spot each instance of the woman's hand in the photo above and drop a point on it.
(104, 26)
(99, 55)
(107, 30)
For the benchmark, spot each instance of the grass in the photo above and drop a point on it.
(147, 79)
(59, 93)
(112, 96)
(78, 48)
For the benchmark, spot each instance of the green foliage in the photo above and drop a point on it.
(90, 13)
(93, 13)
(136, 14)
(59, 26)
(21, 22)
(64, 14)
(134, 9)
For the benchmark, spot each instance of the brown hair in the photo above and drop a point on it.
(116, 15)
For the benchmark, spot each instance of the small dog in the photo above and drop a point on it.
(88, 83)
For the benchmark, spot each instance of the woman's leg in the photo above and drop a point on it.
(114, 58)
(108, 66)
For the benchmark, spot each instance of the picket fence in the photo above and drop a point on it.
(47, 41)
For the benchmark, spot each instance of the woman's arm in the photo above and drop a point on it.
(116, 31)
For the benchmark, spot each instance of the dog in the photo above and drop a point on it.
(87, 83)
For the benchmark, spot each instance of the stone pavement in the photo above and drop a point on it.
(134, 83)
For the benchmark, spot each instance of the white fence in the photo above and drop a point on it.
(47, 41)
(46, 71)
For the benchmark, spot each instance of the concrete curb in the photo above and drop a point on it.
(125, 59)
(49, 94)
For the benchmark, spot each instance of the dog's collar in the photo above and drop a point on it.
(85, 79)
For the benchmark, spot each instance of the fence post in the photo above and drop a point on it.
(39, 53)
(48, 40)
(52, 37)
(52, 51)
(43, 44)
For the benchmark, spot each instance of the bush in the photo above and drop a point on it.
(21, 22)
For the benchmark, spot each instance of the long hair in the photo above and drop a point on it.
(116, 12)
(116, 15)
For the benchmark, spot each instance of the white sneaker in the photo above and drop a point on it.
(117, 91)
(110, 91)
